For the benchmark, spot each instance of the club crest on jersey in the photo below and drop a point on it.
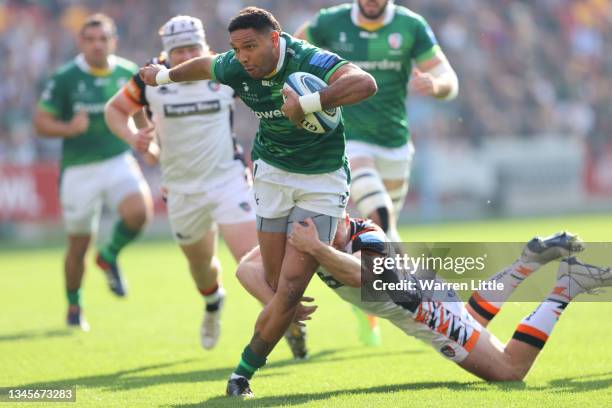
(245, 87)
(214, 86)
(395, 40)
(342, 37)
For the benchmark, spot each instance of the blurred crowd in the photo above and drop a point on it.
(526, 68)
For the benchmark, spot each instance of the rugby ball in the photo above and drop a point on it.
(320, 122)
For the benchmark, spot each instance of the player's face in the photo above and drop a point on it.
(179, 55)
(96, 44)
(372, 9)
(255, 51)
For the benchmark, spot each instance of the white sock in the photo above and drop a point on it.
(488, 303)
(537, 327)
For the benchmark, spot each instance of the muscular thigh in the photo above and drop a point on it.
(81, 195)
(488, 359)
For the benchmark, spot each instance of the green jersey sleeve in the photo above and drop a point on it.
(225, 68)
(321, 63)
(54, 98)
(425, 43)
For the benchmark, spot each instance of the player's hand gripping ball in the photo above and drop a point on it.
(324, 121)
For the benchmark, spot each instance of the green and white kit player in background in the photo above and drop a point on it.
(399, 49)
(297, 174)
(204, 179)
(96, 167)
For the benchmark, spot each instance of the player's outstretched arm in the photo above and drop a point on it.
(117, 113)
(195, 69)
(46, 124)
(345, 268)
(347, 86)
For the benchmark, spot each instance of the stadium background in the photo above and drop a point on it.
(531, 132)
(530, 136)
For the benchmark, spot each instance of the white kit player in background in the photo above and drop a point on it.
(206, 182)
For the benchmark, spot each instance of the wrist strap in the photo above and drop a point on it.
(311, 103)
(163, 77)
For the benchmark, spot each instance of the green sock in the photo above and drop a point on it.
(74, 297)
(121, 236)
(249, 363)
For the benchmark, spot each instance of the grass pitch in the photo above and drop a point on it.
(144, 351)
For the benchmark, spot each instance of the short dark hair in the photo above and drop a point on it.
(255, 18)
(100, 20)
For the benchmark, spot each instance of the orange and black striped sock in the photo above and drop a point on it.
(537, 327)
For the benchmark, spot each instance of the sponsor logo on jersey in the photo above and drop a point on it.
(194, 108)
(368, 35)
(101, 82)
(272, 114)
(395, 40)
(91, 108)
(342, 47)
(384, 65)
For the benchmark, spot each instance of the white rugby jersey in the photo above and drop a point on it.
(193, 125)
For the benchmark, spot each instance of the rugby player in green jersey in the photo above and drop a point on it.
(96, 167)
(297, 174)
(399, 49)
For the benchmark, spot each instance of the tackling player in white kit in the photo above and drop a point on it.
(457, 331)
(206, 183)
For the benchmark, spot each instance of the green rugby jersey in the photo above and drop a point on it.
(75, 87)
(387, 53)
(278, 141)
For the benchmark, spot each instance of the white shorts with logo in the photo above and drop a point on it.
(278, 191)
(391, 163)
(85, 188)
(192, 215)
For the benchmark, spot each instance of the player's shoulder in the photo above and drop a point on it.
(125, 65)
(405, 15)
(339, 11)
(366, 235)
(65, 70)
(304, 53)
(229, 64)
